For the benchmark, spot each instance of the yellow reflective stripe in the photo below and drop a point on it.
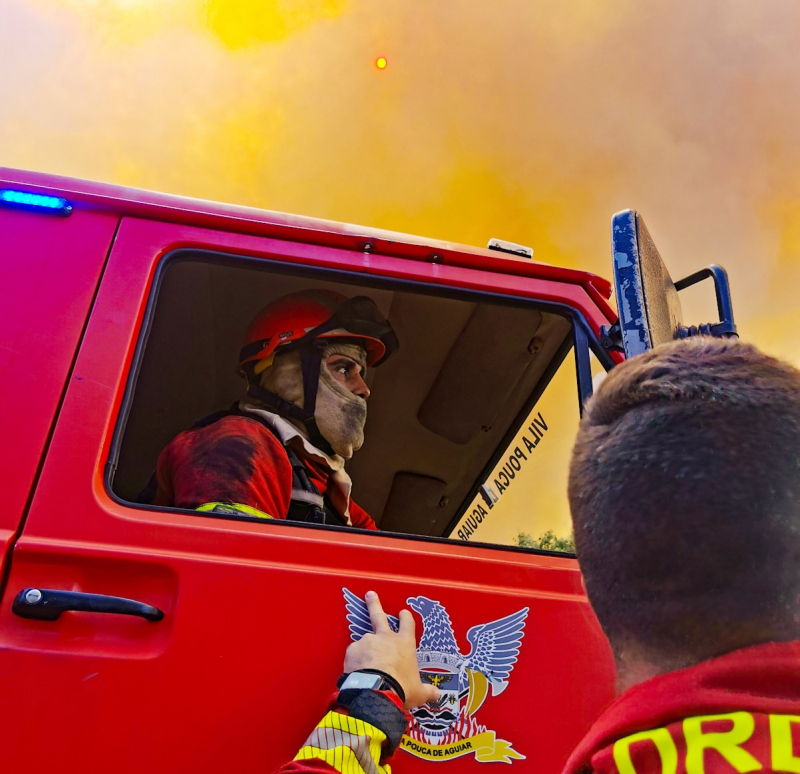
(264, 363)
(729, 744)
(353, 725)
(349, 745)
(664, 743)
(247, 510)
(726, 743)
(780, 732)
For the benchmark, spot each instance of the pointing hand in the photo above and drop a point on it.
(392, 652)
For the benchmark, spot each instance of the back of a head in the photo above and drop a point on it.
(685, 496)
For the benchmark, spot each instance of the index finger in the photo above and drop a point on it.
(380, 623)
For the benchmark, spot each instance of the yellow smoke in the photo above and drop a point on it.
(530, 120)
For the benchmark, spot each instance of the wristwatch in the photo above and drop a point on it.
(359, 693)
(371, 680)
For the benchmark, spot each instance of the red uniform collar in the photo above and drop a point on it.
(763, 678)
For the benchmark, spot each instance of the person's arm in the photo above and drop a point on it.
(360, 518)
(233, 460)
(362, 729)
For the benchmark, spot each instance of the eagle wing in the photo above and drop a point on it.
(495, 647)
(358, 616)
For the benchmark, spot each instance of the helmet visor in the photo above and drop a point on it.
(361, 317)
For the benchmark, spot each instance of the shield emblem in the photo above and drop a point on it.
(449, 728)
(435, 719)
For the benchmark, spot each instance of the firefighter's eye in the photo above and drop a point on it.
(347, 368)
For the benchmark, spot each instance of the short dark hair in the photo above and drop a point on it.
(685, 495)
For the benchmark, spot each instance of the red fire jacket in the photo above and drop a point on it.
(236, 460)
(733, 714)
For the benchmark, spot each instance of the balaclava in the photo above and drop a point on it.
(340, 415)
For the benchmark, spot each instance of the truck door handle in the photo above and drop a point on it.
(49, 604)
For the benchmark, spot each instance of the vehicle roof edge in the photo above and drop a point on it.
(173, 208)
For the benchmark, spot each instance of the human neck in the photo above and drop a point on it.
(635, 664)
(630, 673)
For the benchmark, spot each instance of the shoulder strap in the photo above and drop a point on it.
(307, 503)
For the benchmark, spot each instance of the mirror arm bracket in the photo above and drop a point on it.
(611, 337)
(726, 327)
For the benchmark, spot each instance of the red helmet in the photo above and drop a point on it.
(312, 314)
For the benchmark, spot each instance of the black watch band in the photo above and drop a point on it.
(370, 706)
(387, 683)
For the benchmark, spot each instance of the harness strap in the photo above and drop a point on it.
(308, 497)
(283, 408)
(311, 365)
(307, 504)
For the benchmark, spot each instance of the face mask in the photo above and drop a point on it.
(340, 414)
(285, 378)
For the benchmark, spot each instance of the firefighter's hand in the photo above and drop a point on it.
(392, 652)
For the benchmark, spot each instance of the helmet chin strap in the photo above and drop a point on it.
(311, 364)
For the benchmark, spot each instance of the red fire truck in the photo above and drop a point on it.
(138, 638)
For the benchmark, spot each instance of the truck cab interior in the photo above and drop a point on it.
(443, 413)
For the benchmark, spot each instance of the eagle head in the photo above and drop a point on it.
(423, 606)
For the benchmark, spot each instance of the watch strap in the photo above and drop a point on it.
(388, 682)
(391, 683)
(376, 709)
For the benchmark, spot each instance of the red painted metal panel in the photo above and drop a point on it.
(248, 220)
(49, 269)
(240, 668)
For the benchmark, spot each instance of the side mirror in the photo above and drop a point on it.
(649, 307)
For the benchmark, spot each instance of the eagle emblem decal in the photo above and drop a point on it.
(449, 728)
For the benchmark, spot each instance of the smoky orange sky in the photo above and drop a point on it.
(528, 120)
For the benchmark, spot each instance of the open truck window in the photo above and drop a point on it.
(520, 499)
(482, 391)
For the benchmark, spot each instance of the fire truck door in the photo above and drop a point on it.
(255, 613)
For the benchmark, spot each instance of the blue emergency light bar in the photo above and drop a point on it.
(53, 205)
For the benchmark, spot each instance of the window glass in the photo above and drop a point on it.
(466, 371)
(526, 492)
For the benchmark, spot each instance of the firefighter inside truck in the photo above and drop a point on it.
(470, 412)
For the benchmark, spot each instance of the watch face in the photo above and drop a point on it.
(362, 680)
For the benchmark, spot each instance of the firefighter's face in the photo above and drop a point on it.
(341, 410)
(349, 374)
(341, 406)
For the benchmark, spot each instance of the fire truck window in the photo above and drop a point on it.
(466, 374)
(524, 500)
